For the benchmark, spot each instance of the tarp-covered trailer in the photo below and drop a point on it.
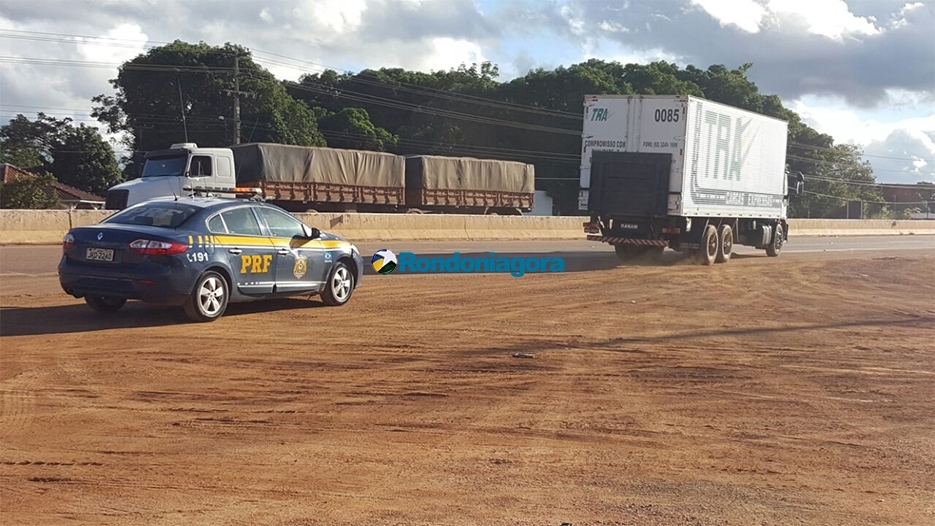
(330, 179)
(466, 184)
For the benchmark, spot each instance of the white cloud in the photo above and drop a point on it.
(101, 49)
(829, 18)
(336, 16)
(905, 155)
(899, 149)
(745, 14)
(265, 16)
(447, 53)
(613, 27)
(900, 19)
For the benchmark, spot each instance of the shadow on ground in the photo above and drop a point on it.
(76, 318)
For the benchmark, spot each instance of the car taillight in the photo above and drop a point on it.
(68, 242)
(149, 247)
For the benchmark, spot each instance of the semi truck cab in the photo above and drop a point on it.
(172, 171)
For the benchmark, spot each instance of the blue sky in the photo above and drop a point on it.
(862, 71)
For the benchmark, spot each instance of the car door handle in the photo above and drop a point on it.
(235, 251)
(283, 251)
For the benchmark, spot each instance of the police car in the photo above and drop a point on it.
(202, 253)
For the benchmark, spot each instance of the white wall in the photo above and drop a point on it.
(542, 204)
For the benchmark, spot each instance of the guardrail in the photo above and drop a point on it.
(42, 227)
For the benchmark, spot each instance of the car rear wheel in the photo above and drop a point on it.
(208, 300)
(105, 303)
(340, 285)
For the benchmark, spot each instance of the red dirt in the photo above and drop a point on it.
(677, 395)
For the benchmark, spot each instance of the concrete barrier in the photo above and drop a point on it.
(39, 227)
(859, 227)
(33, 226)
(433, 227)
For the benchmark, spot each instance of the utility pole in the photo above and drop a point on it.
(236, 94)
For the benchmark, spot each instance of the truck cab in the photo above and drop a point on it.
(174, 171)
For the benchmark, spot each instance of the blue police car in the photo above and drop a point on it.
(204, 253)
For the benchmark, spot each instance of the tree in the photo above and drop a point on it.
(74, 155)
(28, 193)
(156, 89)
(81, 158)
(351, 128)
(836, 175)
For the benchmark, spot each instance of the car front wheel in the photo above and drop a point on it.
(340, 285)
(208, 300)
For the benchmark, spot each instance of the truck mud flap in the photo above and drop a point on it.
(629, 241)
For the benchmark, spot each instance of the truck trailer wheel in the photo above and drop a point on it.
(710, 246)
(774, 248)
(725, 238)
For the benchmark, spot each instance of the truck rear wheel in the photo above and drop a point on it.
(725, 237)
(710, 246)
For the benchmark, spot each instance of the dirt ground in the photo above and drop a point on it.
(766, 391)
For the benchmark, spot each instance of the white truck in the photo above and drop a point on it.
(686, 173)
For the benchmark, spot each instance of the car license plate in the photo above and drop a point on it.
(99, 254)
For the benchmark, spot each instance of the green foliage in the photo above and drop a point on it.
(28, 193)
(74, 155)
(83, 159)
(351, 128)
(155, 89)
(838, 175)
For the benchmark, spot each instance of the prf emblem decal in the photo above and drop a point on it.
(301, 267)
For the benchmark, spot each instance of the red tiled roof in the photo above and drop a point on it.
(62, 191)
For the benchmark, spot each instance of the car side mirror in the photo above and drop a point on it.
(311, 232)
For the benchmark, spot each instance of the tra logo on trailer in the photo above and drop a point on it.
(724, 136)
(600, 114)
(255, 264)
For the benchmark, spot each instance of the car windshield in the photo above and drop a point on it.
(169, 215)
(164, 166)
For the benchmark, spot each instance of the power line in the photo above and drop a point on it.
(872, 202)
(441, 93)
(833, 150)
(827, 162)
(346, 94)
(861, 183)
(396, 84)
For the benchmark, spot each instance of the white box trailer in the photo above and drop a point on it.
(683, 172)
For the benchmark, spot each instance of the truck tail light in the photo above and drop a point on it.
(671, 230)
(149, 247)
(591, 228)
(68, 242)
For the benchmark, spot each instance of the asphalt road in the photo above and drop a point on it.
(579, 255)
